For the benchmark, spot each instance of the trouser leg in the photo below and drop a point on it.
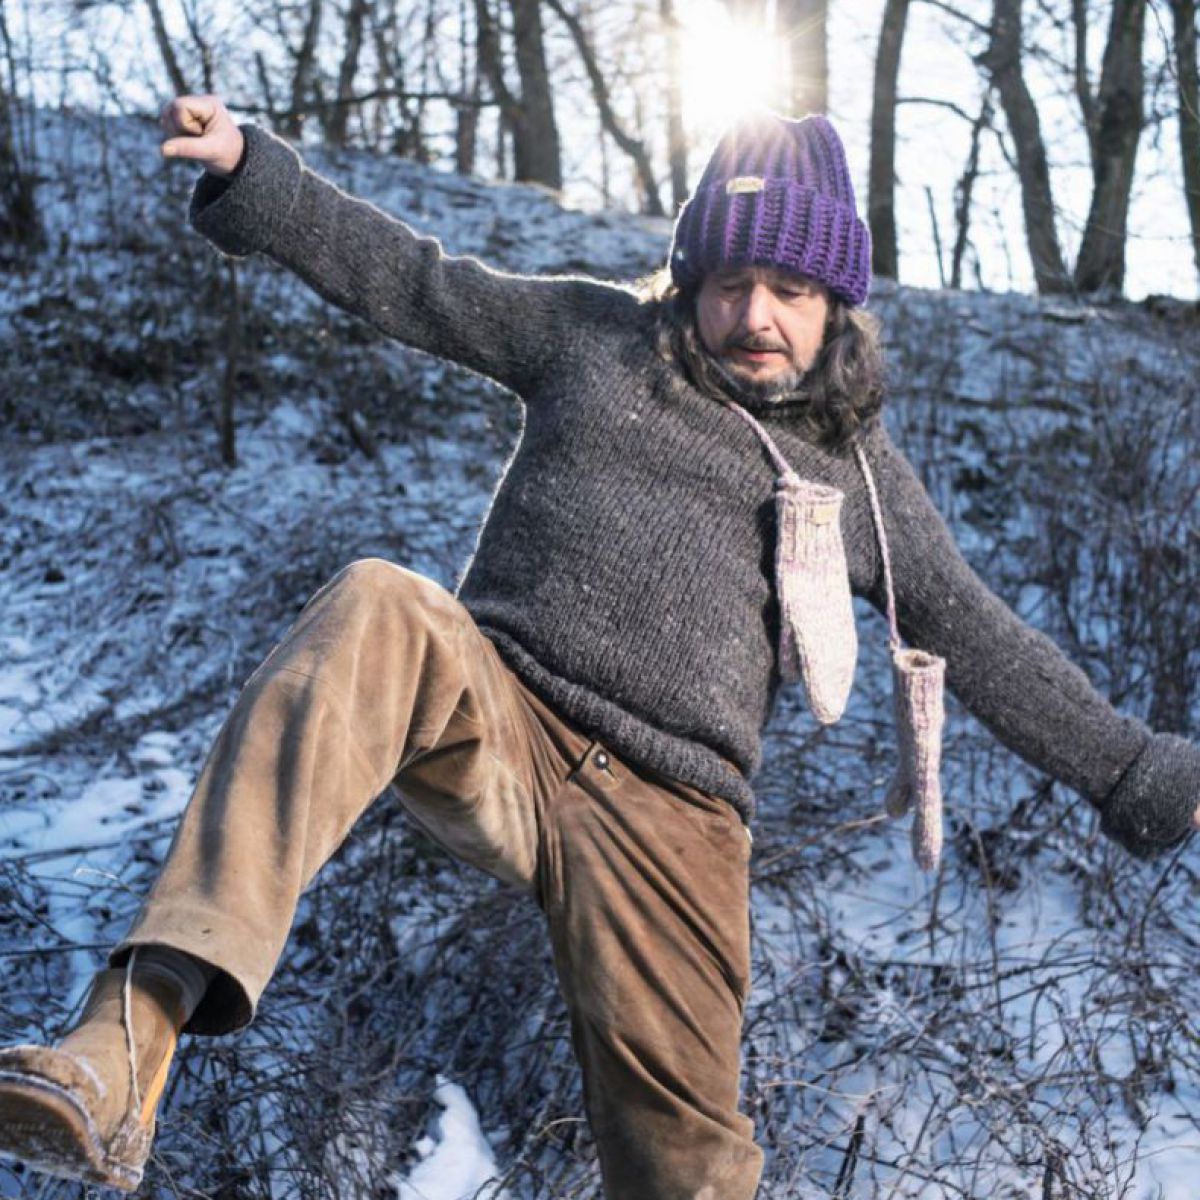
(383, 675)
(645, 888)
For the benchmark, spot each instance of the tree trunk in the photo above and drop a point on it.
(632, 146)
(466, 114)
(226, 422)
(936, 230)
(404, 138)
(803, 24)
(676, 137)
(964, 190)
(1184, 13)
(303, 72)
(163, 41)
(881, 180)
(429, 53)
(466, 133)
(491, 66)
(1101, 262)
(1003, 60)
(336, 126)
(1083, 86)
(21, 227)
(605, 166)
(204, 50)
(265, 82)
(535, 133)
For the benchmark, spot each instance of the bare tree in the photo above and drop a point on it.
(803, 23)
(226, 423)
(20, 222)
(1118, 130)
(391, 35)
(676, 137)
(338, 114)
(536, 135)
(466, 113)
(304, 70)
(531, 163)
(881, 180)
(633, 146)
(1083, 87)
(965, 188)
(1002, 60)
(429, 54)
(1184, 14)
(166, 50)
(205, 55)
(491, 67)
(266, 85)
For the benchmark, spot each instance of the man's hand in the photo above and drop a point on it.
(201, 129)
(1196, 819)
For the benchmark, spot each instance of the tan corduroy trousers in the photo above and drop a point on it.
(385, 679)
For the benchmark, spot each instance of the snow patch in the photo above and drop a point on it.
(458, 1161)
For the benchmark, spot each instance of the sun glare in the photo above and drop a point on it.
(728, 68)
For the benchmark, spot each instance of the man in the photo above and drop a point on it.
(581, 717)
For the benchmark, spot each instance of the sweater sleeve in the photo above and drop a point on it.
(505, 326)
(1013, 678)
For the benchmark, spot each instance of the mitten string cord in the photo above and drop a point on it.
(881, 534)
(781, 463)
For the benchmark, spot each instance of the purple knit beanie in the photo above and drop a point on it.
(776, 193)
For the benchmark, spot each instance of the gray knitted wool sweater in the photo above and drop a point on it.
(624, 570)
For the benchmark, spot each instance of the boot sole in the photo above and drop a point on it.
(44, 1126)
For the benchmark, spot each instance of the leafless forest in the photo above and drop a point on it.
(1061, 95)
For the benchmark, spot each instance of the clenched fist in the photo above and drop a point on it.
(200, 128)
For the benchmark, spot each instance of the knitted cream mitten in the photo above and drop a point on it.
(818, 640)
(917, 696)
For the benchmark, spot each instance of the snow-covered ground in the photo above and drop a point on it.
(1021, 1025)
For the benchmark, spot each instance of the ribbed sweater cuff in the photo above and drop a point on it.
(241, 213)
(1150, 810)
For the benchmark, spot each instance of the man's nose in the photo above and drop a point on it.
(756, 312)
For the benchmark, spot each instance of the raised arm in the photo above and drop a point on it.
(1017, 681)
(508, 327)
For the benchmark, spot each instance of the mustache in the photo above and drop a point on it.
(752, 341)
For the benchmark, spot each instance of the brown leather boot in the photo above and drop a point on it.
(73, 1110)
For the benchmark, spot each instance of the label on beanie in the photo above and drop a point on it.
(743, 184)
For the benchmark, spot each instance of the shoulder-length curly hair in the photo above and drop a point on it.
(840, 393)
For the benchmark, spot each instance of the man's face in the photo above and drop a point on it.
(762, 325)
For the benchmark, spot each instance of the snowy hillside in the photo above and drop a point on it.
(1022, 1025)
